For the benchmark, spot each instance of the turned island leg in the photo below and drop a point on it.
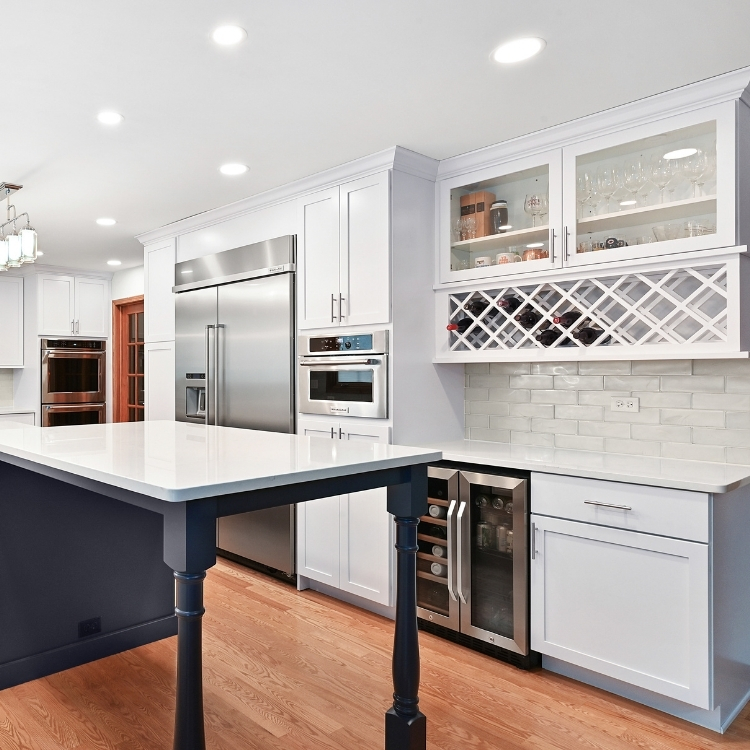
(405, 724)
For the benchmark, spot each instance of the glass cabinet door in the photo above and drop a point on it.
(651, 190)
(502, 220)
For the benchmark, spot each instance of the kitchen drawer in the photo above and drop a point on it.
(655, 510)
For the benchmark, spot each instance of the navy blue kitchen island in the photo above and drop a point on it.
(99, 520)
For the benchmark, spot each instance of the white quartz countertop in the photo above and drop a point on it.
(700, 476)
(15, 410)
(175, 461)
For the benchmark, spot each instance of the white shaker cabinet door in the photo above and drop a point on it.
(56, 305)
(318, 260)
(318, 521)
(624, 604)
(366, 251)
(158, 298)
(159, 376)
(366, 530)
(11, 315)
(91, 307)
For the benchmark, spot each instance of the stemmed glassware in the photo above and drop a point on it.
(584, 191)
(661, 173)
(693, 167)
(606, 184)
(633, 176)
(708, 173)
(534, 206)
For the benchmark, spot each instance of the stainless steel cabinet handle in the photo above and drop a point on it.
(533, 541)
(341, 434)
(78, 326)
(207, 363)
(551, 245)
(566, 234)
(451, 554)
(341, 307)
(332, 435)
(72, 326)
(459, 552)
(607, 505)
(333, 315)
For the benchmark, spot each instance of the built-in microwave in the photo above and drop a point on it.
(344, 375)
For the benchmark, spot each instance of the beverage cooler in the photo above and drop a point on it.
(472, 563)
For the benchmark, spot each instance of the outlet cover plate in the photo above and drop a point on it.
(626, 404)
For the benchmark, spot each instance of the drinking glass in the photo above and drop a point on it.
(693, 167)
(634, 176)
(584, 191)
(708, 173)
(533, 205)
(468, 228)
(661, 173)
(606, 184)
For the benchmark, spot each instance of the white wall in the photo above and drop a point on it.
(127, 283)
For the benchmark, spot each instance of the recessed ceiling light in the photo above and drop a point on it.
(233, 169)
(227, 35)
(681, 153)
(114, 262)
(110, 118)
(104, 222)
(627, 203)
(518, 49)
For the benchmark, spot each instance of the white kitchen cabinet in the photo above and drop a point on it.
(11, 314)
(73, 306)
(625, 604)
(344, 254)
(159, 390)
(22, 417)
(158, 298)
(346, 541)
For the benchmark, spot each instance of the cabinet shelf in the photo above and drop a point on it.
(435, 521)
(499, 241)
(658, 214)
(430, 577)
(432, 539)
(432, 558)
(436, 501)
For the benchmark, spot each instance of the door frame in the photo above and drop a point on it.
(119, 338)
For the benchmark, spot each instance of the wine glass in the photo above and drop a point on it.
(633, 176)
(708, 173)
(693, 167)
(584, 191)
(606, 184)
(661, 173)
(533, 205)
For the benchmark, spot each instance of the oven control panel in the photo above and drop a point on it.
(73, 344)
(372, 343)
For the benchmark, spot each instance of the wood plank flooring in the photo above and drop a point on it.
(293, 671)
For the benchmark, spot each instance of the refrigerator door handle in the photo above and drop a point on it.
(207, 368)
(217, 374)
(460, 552)
(451, 552)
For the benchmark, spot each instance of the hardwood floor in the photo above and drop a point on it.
(299, 670)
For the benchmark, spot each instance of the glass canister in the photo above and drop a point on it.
(484, 535)
(499, 216)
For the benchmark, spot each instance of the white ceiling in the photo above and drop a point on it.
(317, 83)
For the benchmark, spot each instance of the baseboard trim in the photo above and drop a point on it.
(73, 655)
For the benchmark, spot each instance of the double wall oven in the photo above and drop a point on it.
(73, 382)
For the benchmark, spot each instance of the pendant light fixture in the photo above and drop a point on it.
(17, 246)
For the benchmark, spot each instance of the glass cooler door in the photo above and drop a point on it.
(437, 600)
(492, 578)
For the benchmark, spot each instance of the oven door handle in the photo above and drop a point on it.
(338, 362)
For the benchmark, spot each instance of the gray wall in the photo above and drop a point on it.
(6, 387)
(690, 409)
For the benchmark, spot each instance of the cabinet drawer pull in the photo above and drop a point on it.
(333, 314)
(607, 505)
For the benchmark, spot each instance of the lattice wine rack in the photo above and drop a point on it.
(644, 310)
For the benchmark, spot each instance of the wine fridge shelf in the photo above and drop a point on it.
(432, 539)
(432, 558)
(430, 577)
(678, 309)
(435, 521)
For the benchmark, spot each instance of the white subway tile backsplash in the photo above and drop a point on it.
(579, 382)
(532, 410)
(628, 383)
(663, 367)
(6, 387)
(554, 426)
(579, 443)
(579, 412)
(604, 368)
(693, 383)
(532, 381)
(694, 417)
(695, 410)
(554, 368)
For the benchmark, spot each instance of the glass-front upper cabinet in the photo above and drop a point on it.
(665, 187)
(502, 220)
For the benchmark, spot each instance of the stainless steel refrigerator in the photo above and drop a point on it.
(234, 366)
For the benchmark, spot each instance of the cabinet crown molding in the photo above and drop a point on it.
(732, 86)
(396, 157)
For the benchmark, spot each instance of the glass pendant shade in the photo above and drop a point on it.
(28, 245)
(3, 253)
(14, 250)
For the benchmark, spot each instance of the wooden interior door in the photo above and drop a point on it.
(128, 358)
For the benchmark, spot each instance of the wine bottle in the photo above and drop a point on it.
(461, 325)
(588, 335)
(528, 318)
(476, 306)
(567, 318)
(548, 337)
(510, 304)
(436, 511)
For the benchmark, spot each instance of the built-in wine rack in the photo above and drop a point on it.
(656, 308)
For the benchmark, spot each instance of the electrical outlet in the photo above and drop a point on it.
(89, 627)
(626, 404)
